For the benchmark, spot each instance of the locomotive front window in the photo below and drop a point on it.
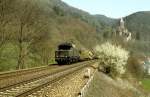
(64, 47)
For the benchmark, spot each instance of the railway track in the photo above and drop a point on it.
(15, 73)
(15, 77)
(26, 88)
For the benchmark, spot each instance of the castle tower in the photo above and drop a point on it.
(122, 26)
(123, 31)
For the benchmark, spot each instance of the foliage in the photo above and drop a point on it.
(139, 46)
(146, 84)
(138, 23)
(113, 56)
(135, 65)
(32, 29)
(36, 27)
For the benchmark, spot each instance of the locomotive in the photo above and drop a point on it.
(67, 53)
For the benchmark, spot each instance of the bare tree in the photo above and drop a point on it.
(29, 28)
(32, 30)
(41, 44)
(5, 8)
(26, 17)
(5, 20)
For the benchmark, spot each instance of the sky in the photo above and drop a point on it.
(111, 8)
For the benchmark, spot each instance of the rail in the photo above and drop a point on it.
(36, 84)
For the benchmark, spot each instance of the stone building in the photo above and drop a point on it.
(123, 32)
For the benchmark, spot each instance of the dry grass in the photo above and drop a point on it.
(104, 86)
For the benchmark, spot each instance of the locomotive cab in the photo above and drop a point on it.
(66, 53)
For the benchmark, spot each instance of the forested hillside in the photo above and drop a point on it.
(30, 31)
(139, 24)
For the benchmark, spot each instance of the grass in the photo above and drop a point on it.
(93, 90)
(146, 84)
(9, 56)
(104, 86)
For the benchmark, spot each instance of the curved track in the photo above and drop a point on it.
(15, 77)
(23, 89)
(15, 73)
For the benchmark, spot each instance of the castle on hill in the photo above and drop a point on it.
(123, 32)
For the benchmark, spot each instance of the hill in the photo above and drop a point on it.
(30, 31)
(104, 86)
(138, 24)
(106, 20)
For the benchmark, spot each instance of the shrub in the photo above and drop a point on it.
(135, 65)
(114, 57)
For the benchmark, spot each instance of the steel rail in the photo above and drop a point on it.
(54, 78)
(41, 77)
